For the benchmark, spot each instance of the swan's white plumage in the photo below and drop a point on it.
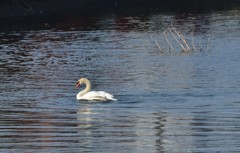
(86, 94)
(96, 95)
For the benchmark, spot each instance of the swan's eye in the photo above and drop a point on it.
(78, 84)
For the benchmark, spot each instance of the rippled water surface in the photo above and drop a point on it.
(166, 102)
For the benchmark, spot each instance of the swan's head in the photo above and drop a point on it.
(81, 81)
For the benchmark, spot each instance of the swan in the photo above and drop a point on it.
(86, 94)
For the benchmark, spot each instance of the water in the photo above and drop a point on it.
(166, 102)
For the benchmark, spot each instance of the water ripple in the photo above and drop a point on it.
(166, 103)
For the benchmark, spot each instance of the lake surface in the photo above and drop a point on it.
(170, 102)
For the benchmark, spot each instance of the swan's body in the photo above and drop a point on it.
(86, 94)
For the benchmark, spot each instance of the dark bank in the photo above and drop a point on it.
(32, 9)
(39, 14)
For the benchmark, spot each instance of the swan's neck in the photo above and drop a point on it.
(87, 88)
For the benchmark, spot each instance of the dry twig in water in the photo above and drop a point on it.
(180, 40)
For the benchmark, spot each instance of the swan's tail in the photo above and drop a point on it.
(108, 96)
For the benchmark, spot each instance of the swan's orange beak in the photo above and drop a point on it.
(77, 84)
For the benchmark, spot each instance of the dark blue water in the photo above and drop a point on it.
(170, 102)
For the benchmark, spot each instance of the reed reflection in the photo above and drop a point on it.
(175, 134)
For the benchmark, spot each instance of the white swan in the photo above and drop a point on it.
(86, 94)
